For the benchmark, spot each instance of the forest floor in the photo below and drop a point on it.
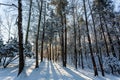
(49, 71)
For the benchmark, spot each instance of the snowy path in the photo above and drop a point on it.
(50, 71)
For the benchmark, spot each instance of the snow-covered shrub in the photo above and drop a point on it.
(112, 65)
(11, 47)
(10, 51)
(28, 50)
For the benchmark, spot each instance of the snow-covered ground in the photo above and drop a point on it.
(50, 71)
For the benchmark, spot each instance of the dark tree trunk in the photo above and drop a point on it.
(75, 48)
(53, 53)
(55, 50)
(80, 51)
(20, 34)
(62, 46)
(50, 51)
(96, 41)
(43, 34)
(62, 39)
(103, 32)
(65, 55)
(109, 37)
(90, 46)
(28, 25)
(38, 31)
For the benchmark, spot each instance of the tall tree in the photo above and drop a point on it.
(20, 34)
(28, 25)
(97, 8)
(74, 25)
(61, 5)
(43, 32)
(105, 5)
(96, 40)
(80, 46)
(38, 29)
(89, 40)
(65, 55)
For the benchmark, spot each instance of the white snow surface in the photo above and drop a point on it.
(49, 71)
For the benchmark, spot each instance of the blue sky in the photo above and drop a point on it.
(117, 4)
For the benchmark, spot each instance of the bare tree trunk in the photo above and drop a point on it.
(53, 53)
(103, 32)
(38, 31)
(90, 46)
(101, 26)
(80, 50)
(55, 49)
(50, 51)
(47, 53)
(28, 25)
(62, 39)
(96, 41)
(65, 55)
(62, 45)
(75, 48)
(43, 34)
(20, 33)
(109, 37)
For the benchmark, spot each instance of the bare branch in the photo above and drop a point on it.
(8, 5)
